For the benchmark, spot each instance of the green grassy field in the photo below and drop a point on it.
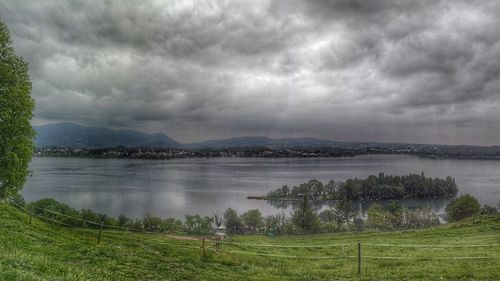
(43, 251)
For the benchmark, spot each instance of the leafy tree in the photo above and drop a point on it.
(343, 212)
(16, 110)
(91, 216)
(305, 218)
(277, 223)
(233, 221)
(198, 225)
(18, 199)
(396, 212)
(359, 223)
(372, 188)
(327, 216)
(462, 207)
(55, 210)
(420, 217)
(488, 210)
(172, 225)
(151, 223)
(378, 217)
(123, 220)
(253, 219)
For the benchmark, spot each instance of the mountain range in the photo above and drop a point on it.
(78, 136)
(73, 135)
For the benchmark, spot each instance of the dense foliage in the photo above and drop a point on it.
(16, 107)
(463, 207)
(395, 217)
(381, 187)
(304, 219)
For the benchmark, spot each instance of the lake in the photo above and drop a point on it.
(173, 188)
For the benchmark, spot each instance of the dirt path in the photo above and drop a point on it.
(186, 238)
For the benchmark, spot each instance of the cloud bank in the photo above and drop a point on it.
(400, 71)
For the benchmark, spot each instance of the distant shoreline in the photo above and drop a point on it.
(146, 157)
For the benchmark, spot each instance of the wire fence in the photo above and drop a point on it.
(159, 239)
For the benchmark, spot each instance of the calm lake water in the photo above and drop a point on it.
(173, 188)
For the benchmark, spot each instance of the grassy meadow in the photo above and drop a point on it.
(45, 251)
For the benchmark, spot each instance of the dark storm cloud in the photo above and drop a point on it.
(417, 71)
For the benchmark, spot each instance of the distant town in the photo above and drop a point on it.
(424, 150)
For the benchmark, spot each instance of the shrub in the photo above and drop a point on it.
(198, 225)
(277, 224)
(359, 224)
(462, 207)
(232, 221)
(18, 199)
(488, 210)
(253, 219)
(379, 218)
(327, 216)
(49, 208)
(305, 218)
(123, 220)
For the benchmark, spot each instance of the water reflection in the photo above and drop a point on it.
(361, 207)
(173, 188)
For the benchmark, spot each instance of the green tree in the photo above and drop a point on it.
(16, 110)
(123, 220)
(276, 224)
(232, 221)
(305, 218)
(253, 218)
(359, 223)
(489, 210)
(343, 212)
(379, 217)
(327, 216)
(195, 224)
(462, 207)
(396, 212)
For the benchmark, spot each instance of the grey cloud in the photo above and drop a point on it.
(347, 70)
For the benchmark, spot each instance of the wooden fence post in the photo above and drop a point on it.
(359, 257)
(31, 213)
(99, 236)
(203, 246)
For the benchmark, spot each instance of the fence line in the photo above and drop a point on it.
(282, 246)
(76, 228)
(42, 217)
(428, 258)
(86, 221)
(70, 225)
(249, 244)
(429, 246)
(273, 245)
(153, 240)
(285, 256)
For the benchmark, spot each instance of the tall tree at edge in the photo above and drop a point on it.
(16, 111)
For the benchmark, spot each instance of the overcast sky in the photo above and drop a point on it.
(390, 71)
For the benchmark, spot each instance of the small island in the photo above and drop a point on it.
(373, 188)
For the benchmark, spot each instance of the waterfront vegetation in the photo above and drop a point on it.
(275, 151)
(381, 187)
(42, 251)
(304, 219)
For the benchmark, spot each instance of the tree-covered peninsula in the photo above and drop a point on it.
(381, 187)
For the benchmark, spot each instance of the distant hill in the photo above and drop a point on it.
(73, 135)
(263, 141)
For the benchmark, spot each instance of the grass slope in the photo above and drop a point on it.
(42, 251)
